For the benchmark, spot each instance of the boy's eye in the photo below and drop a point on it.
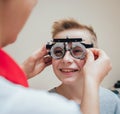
(77, 51)
(58, 51)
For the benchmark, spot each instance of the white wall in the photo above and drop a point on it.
(103, 15)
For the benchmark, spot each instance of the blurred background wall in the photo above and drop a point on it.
(103, 15)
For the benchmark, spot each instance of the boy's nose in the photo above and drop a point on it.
(67, 57)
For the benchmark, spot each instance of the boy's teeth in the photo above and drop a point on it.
(68, 70)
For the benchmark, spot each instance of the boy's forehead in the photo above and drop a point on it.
(74, 33)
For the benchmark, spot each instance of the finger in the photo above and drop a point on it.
(103, 58)
(48, 64)
(47, 60)
(90, 56)
(40, 53)
(95, 52)
(100, 54)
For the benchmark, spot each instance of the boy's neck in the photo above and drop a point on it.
(71, 92)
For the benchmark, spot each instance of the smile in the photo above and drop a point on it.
(68, 70)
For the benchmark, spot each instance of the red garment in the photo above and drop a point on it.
(11, 71)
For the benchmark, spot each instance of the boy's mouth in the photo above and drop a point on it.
(68, 70)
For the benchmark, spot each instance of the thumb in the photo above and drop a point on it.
(89, 56)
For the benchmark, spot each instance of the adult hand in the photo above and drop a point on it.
(97, 65)
(36, 62)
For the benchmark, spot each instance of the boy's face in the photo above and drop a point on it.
(68, 68)
(15, 14)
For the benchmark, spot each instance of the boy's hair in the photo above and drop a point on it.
(67, 24)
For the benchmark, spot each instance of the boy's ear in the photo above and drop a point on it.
(48, 59)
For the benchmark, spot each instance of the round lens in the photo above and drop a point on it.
(57, 51)
(78, 51)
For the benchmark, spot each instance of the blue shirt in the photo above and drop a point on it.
(109, 102)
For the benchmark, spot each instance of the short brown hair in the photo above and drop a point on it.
(70, 23)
